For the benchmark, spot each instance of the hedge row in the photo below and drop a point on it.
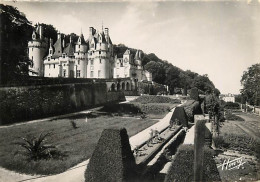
(156, 99)
(138, 108)
(183, 164)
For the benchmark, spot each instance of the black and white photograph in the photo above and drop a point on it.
(129, 90)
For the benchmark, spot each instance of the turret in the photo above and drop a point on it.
(37, 50)
(51, 48)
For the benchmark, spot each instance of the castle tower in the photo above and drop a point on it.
(37, 49)
(100, 58)
(81, 55)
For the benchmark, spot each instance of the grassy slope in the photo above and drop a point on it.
(77, 144)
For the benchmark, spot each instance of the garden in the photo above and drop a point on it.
(51, 147)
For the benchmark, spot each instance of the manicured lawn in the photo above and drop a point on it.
(76, 145)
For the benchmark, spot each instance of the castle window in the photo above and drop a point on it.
(49, 58)
(64, 73)
(78, 73)
(78, 61)
(63, 55)
(99, 73)
(32, 58)
(92, 74)
(99, 52)
(91, 61)
(79, 45)
(100, 61)
(53, 65)
(50, 52)
(32, 49)
(49, 66)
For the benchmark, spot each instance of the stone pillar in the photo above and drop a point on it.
(199, 140)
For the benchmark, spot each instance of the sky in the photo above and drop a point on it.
(217, 38)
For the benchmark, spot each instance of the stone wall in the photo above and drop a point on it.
(31, 102)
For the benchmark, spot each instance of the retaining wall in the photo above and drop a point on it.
(31, 102)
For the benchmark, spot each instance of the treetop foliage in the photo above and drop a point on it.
(250, 82)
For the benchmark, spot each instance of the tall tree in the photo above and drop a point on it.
(251, 84)
(157, 71)
(15, 32)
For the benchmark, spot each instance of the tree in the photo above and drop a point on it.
(15, 32)
(203, 83)
(251, 84)
(172, 78)
(157, 71)
(50, 32)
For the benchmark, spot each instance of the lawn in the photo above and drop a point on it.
(76, 145)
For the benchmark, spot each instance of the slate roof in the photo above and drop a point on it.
(69, 50)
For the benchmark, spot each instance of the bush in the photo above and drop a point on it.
(183, 164)
(220, 142)
(194, 94)
(231, 105)
(156, 99)
(191, 108)
(232, 117)
(112, 159)
(36, 148)
(180, 115)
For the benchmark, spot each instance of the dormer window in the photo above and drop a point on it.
(63, 55)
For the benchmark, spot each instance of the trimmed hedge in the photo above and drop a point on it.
(194, 94)
(137, 108)
(183, 163)
(156, 99)
(232, 105)
(179, 115)
(112, 159)
(191, 108)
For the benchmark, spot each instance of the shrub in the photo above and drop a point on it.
(232, 117)
(231, 105)
(112, 159)
(180, 115)
(191, 108)
(182, 166)
(36, 149)
(220, 142)
(194, 94)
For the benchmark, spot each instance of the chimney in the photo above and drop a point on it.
(106, 32)
(41, 31)
(63, 43)
(90, 31)
(58, 35)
